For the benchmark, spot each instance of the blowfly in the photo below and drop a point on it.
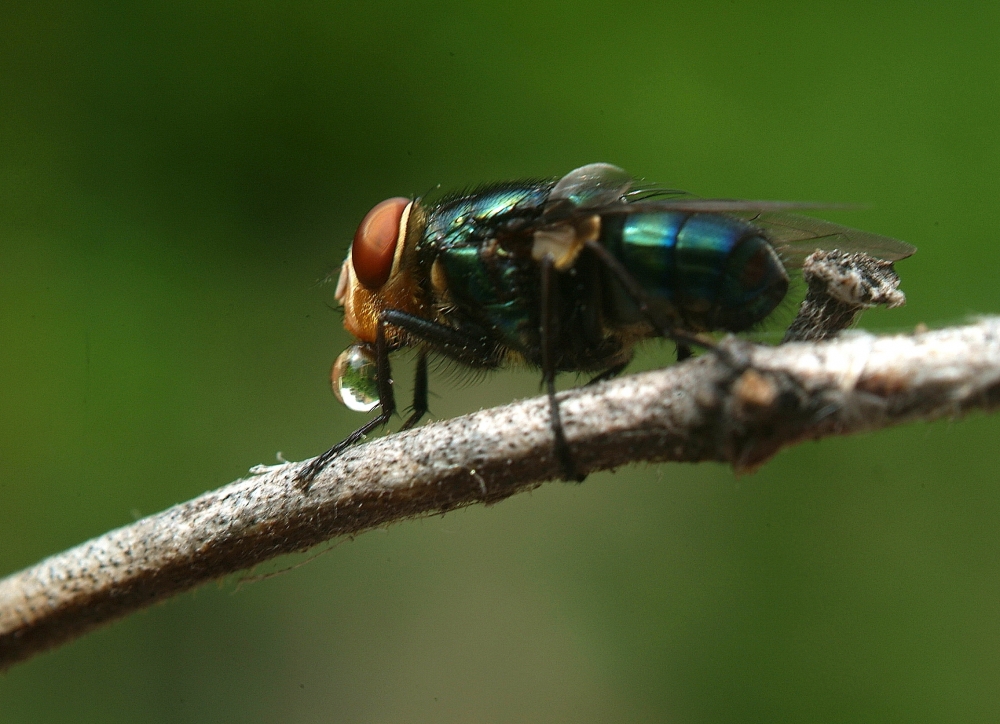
(566, 274)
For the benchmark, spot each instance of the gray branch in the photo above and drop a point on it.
(740, 405)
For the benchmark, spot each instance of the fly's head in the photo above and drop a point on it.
(378, 274)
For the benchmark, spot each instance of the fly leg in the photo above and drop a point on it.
(464, 346)
(548, 340)
(683, 339)
(387, 405)
(419, 393)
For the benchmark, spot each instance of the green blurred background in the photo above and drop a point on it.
(177, 177)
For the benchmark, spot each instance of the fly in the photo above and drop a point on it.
(567, 274)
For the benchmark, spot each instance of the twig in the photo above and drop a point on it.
(706, 409)
(840, 286)
(739, 406)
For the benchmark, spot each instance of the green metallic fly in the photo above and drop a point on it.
(566, 274)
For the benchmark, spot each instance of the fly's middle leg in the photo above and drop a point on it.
(419, 393)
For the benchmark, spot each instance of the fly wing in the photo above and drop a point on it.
(798, 236)
(795, 236)
(605, 189)
(737, 207)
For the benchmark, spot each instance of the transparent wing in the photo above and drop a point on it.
(606, 189)
(740, 207)
(796, 237)
(655, 192)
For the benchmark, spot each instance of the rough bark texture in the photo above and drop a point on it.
(840, 286)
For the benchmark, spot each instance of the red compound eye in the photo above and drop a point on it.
(375, 242)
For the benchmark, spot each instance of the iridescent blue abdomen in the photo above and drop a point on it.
(709, 271)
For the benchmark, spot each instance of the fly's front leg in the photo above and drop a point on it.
(549, 337)
(387, 406)
(461, 344)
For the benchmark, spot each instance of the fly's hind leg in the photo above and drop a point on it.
(549, 336)
(683, 339)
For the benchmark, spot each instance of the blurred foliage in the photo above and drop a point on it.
(177, 177)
